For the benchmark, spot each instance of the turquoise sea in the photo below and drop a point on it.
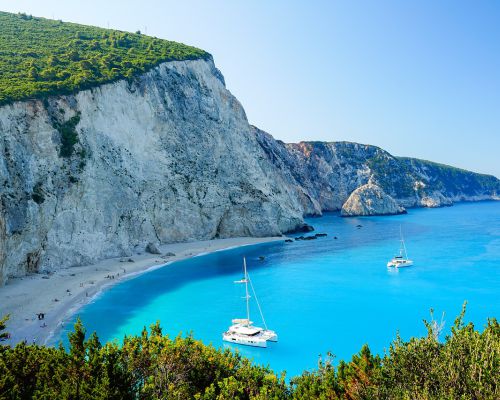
(326, 294)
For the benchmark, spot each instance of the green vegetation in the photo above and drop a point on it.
(452, 180)
(392, 176)
(37, 195)
(3, 334)
(153, 366)
(69, 136)
(41, 57)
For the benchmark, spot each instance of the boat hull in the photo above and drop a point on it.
(406, 264)
(237, 339)
(239, 334)
(270, 336)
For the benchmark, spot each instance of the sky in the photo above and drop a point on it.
(417, 78)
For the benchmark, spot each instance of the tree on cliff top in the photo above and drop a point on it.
(41, 57)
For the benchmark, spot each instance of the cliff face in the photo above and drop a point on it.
(328, 172)
(167, 157)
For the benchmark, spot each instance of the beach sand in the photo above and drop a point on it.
(60, 294)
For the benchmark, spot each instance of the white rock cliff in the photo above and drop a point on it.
(167, 157)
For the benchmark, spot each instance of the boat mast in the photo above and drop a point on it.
(247, 296)
(403, 247)
(257, 301)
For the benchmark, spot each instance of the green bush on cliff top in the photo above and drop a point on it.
(41, 57)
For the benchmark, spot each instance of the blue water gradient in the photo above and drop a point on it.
(326, 294)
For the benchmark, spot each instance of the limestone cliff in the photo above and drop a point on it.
(328, 172)
(370, 199)
(168, 156)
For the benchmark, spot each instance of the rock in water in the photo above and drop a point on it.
(370, 199)
(152, 248)
(303, 229)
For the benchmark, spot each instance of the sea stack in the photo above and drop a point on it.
(370, 199)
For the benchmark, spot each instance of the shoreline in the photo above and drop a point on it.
(59, 295)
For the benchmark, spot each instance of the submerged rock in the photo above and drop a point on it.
(306, 237)
(370, 199)
(310, 238)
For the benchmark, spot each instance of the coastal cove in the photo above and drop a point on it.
(59, 295)
(322, 295)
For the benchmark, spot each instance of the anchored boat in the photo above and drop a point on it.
(242, 331)
(401, 260)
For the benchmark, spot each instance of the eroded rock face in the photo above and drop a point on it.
(370, 199)
(3, 242)
(324, 174)
(168, 157)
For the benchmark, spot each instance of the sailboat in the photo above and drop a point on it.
(242, 331)
(401, 260)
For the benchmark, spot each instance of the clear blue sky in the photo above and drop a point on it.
(417, 78)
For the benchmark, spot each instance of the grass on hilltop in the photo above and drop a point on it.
(41, 57)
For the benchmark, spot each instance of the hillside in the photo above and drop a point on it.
(454, 181)
(40, 57)
(328, 172)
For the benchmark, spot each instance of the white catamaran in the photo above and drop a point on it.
(242, 330)
(401, 260)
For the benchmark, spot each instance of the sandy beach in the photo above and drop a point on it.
(60, 294)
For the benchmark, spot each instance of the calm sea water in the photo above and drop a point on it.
(326, 294)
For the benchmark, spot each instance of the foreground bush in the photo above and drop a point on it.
(465, 366)
(153, 366)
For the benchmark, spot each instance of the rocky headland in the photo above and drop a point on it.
(325, 174)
